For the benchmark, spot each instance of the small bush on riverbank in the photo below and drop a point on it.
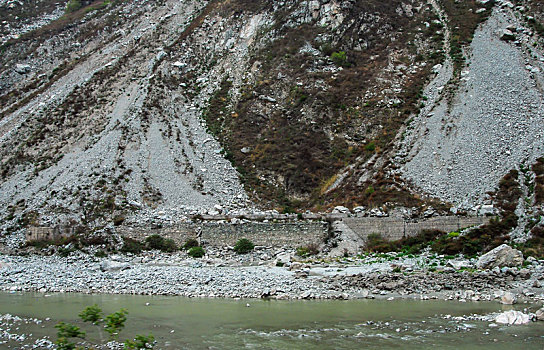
(243, 246)
(196, 252)
(190, 243)
(161, 243)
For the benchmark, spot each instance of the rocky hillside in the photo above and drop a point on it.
(128, 110)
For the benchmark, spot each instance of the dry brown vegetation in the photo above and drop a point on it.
(316, 131)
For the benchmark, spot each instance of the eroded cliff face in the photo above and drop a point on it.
(141, 109)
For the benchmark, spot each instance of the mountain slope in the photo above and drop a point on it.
(134, 110)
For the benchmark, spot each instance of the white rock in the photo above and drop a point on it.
(512, 317)
(22, 68)
(508, 299)
(341, 210)
(540, 314)
(113, 266)
(459, 264)
(502, 256)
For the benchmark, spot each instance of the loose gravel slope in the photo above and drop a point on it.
(494, 123)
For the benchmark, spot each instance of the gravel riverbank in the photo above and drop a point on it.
(261, 275)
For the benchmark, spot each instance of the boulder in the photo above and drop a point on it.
(296, 266)
(459, 264)
(487, 209)
(540, 314)
(507, 35)
(22, 68)
(341, 210)
(513, 317)
(113, 266)
(502, 256)
(284, 258)
(508, 299)
(359, 209)
(302, 273)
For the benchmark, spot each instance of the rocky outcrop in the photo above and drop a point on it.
(502, 256)
(507, 35)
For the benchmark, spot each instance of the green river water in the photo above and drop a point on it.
(181, 323)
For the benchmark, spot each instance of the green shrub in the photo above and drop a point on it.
(64, 252)
(100, 254)
(370, 147)
(340, 58)
(132, 246)
(302, 251)
(243, 246)
(154, 242)
(190, 243)
(310, 249)
(410, 245)
(376, 243)
(73, 6)
(169, 246)
(163, 244)
(196, 252)
(68, 334)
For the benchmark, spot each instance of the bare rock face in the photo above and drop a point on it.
(502, 256)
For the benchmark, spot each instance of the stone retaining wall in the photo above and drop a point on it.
(396, 228)
(36, 233)
(292, 234)
(287, 233)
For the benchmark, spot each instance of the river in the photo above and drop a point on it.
(181, 323)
